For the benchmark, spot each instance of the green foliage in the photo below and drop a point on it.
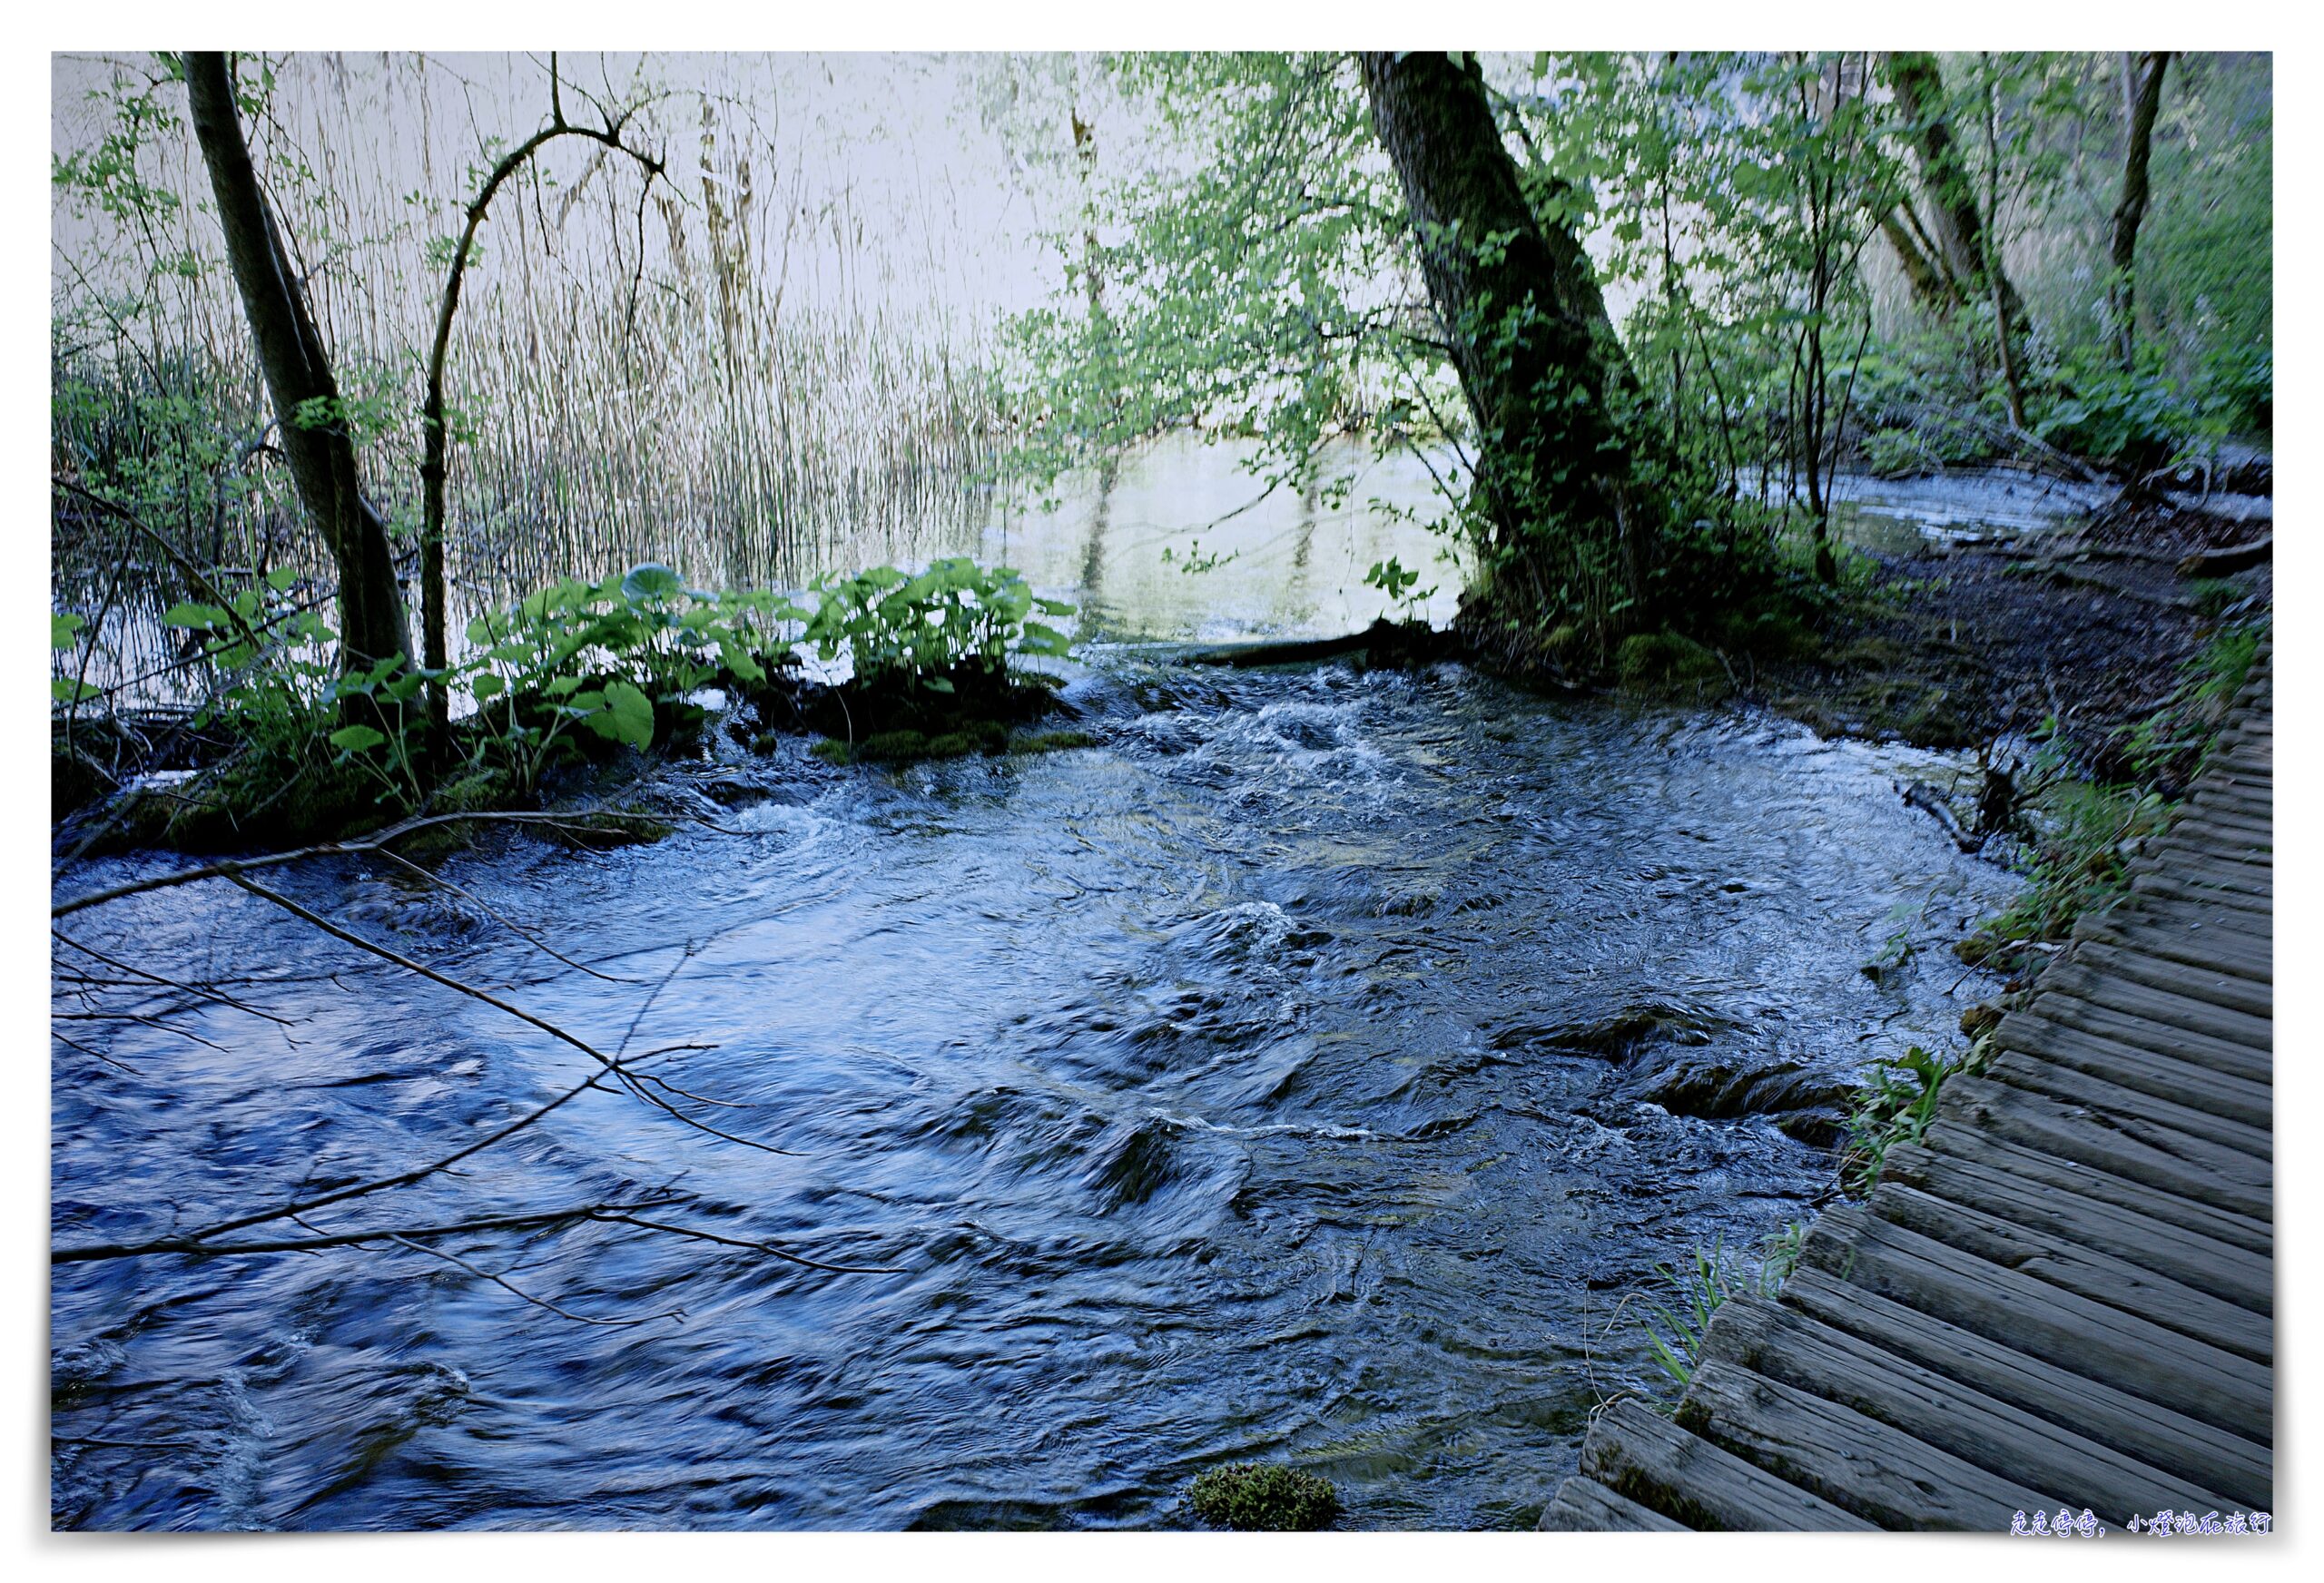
(1390, 578)
(2137, 421)
(1261, 1498)
(1693, 1292)
(1894, 1107)
(893, 625)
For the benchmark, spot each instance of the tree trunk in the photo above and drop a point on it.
(1955, 224)
(290, 354)
(2143, 100)
(1548, 386)
(1932, 288)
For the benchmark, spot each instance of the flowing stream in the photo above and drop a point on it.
(1293, 1075)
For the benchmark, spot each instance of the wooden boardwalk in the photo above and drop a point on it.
(2065, 1296)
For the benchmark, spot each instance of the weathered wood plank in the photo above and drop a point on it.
(2100, 1277)
(1853, 1462)
(2181, 1446)
(1652, 1462)
(2232, 1273)
(1584, 1504)
(2071, 978)
(1785, 1345)
(2229, 879)
(2171, 888)
(2100, 1095)
(2252, 957)
(2204, 1089)
(2056, 1174)
(2121, 1145)
(2103, 1022)
(2244, 994)
(2206, 1382)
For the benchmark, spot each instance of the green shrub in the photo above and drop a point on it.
(891, 623)
(1257, 1497)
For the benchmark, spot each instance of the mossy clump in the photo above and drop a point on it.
(1665, 659)
(1052, 742)
(1259, 1498)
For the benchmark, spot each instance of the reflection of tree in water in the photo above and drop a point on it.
(1101, 517)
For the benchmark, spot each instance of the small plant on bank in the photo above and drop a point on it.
(1695, 1291)
(1261, 1498)
(1894, 1107)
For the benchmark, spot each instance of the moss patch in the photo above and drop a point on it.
(1654, 660)
(1257, 1497)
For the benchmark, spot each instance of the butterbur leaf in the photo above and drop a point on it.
(487, 685)
(280, 578)
(65, 631)
(356, 739)
(739, 661)
(65, 690)
(200, 617)
(632, 713)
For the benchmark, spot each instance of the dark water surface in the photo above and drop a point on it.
(1239, 1088)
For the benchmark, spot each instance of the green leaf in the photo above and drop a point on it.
(65, 631)
(65, 690)
(632, 713)
(489, 685)
(651, 580)
(356, 739)
(200, 617)
(280, 578)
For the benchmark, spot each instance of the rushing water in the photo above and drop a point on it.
(1239, 1088)
(1289, 1076)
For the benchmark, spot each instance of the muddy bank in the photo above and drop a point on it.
(1960, 645)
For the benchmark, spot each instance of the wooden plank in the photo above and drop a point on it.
(2249, 956)
(2173, 889)
(1787, 1346)
(2206, 1090)
(2103, 1022)
(2088, 1408)
(2230, 849)
(2054, 1174)
(2118, 1144)
(2241, 928)
(2244, 994)
(2230, 1274)
(2068, 978)
(2227, 878)
(1652, 1462)
(1853, 1462)
(2103, 1096)
(2027, 1315)
(1586, 1506)
(2100, 1277)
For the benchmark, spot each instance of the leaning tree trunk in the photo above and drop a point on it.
(298, 378)
(2143, 99)
(1956, 224)
(1572, 536)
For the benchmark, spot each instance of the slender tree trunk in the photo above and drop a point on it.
(1544, 379)
(2143, 101)
(2005, 331)
(1955, 224)
(298, 378)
